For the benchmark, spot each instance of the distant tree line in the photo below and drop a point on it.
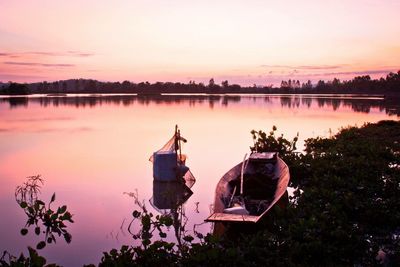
(14, 89)
(360, 84)
(390, 85)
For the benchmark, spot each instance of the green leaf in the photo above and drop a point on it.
(39, 202)
(31, 210)
(113, 252)
(68, 237)
(62, 209)
(146, 222)
(41, 245)
(136, 214)
(67, 216)
(169, 246)
(146, 242)
(188, 238)
(23, 204)
(166, 220)
(24, 231)
(36, 260)
(53, 197)
(147, 235)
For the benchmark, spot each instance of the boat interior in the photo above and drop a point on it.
(259, 185)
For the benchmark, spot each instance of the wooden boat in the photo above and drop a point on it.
(265, 180)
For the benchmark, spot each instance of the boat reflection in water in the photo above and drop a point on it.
(169, 199)
(169, 195)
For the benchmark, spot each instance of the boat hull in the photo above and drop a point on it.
(280, 177)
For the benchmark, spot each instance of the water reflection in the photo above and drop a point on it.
(390, 106)
(169, 195)
(15, 102)
(169, 199)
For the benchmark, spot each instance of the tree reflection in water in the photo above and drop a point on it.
(357, 103)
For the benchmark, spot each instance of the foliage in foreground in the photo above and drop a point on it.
(34, 260)
(46, 222)
(344, 212)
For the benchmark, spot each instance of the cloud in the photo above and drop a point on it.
(10, 55)
(80, 54)
(43, 53)
(364, 72)
(304, 71)
(6, 129)
(70, 130)
(41, 119)
(20, 77)
(45, 130)
(38, 64)
(322, 67)
(303, 67)
(48, 54)
(275, 77)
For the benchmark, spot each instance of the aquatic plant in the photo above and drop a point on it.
(41, 216)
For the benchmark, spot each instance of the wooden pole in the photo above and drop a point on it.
(242, 174)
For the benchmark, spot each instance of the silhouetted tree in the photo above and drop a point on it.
(64, 86)
(211, 83)
(16, 89)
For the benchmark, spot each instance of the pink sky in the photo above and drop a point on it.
(245, 42)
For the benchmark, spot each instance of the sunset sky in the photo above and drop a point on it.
(244, 42)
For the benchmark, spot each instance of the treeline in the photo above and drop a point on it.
(94, 86)
(360, 84)
(14, 89)
(390, 85)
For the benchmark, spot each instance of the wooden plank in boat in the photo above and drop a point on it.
(225, 217)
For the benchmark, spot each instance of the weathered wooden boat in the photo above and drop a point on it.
(263, 181)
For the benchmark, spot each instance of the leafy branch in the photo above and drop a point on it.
(44, 219)
(272, 143)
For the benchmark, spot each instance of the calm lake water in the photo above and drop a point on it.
(92, 149)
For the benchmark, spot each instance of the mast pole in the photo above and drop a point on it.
(179, 144)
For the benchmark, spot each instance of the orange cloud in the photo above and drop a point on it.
(38, 64)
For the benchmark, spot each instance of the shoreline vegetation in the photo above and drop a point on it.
(344, 211)
(388, 87)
